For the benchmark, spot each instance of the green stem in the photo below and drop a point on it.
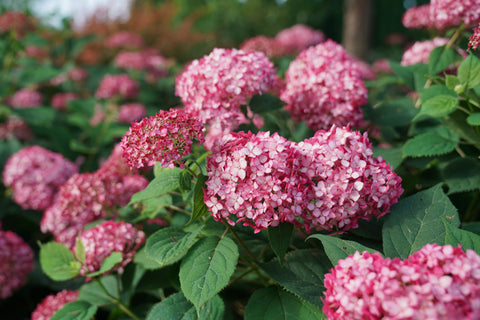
(178, 209)
(117, 301)
(455, 36)
(248, 252)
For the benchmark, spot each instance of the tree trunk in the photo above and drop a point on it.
(357, 21)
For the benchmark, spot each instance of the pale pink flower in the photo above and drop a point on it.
(420, 51)
(60, 100)
(26, 98)
(117, 85)
(35, 174)
(417, 17)
(52, 303)
(297, 38)
(16, 262)
(15, 127)
(130, 60)
(382, 66)
(130, 112)
(446, 14)
(124, 39)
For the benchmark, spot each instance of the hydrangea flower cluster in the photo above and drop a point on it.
(474, 39)
(420, 51)
(60, 100)
(327, 182)
(124, 39)
(436, 282)
(16, 262)
(106, 238)
(264, 44)
(117, 85)
(130, 112)
(297, 38)
(76, 74)
(166, 137)
(451, 13)
(25, 98)
(52, 303)
(36, 52)
(15, 127)
(217, 85)
(15, 21)
(35, 174)
(323, 87)
(417, 17)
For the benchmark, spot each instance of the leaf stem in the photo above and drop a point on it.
(171, 206)
(249, 253)
(117, 301)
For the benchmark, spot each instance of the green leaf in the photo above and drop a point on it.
(398, 112)
(337, 248)
(76, 310)
(462, 174)
(415, 221)
(404, 72)
(207, 268)
(169, 245)
(177, 307)
(472, 227)
(154, 206)
(142, 259)
(392, 156)
(457, 123)
(436, 90)
(469, 71)
(80, 250)
(199, 207)
(302, 273)
(41, 116)
(474, 119)
(261, 103)
(451, 81)
(273, 303)
(279, 238)
(165, 181)
(431, 143)
(441, 58)
(111, 261)
(438, 106)
(185, 180)
(93, 293)
(38, 74)
(58, 262)
(455, 236)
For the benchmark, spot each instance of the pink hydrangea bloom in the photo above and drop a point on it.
(436, 282)
(124, 39)
(324, 87)
(382, 66)
(420, 51)
(76, 74)
(341, 181)
(216, 86)
(249, 177)
(35, 175)
(15, 21)
(106, 238)
(166, 137)
(60, 100)
(452, 13)
(16, 262)
(417, 17)
(36, 52)
(130, 60)
(474, 39)
(117, 85)
(26, 98)
(15, 128)
(130, 112)
(52, 303)
(297, 38)
(264, 44)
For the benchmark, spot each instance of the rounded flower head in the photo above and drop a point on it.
(130, 112)
(108, 237)
(249, 177)
(60, 100)
(474, 39)
(216, 86)
(124, 39)
(436, 282)
(16, 262)
(446, 14)
(130, 60)
(26, 98)
(15, 128)
(420, 51)
(166, 137)
(297, 38)
(52, 303)
(341, 181)
(417, 17)
(35, 175)
(323, 86)
(264, 44)
(15, 21)
(113, 85)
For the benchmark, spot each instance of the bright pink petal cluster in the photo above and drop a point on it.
(124, 39)
(15, 128)
(420, 51)
(130, 112)
(129, 60)
(436, 282)
(16, 262)
(60, 100)
(52, 303)
(108, 237)
(452, 13)
(166, 137)
(474, 39)
(297, 38)
(35, 175)
(26, 98)
(328, 182)
(323, 87)
(117, 85)
(417, 17)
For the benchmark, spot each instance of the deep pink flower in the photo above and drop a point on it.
(60, 100)
(15, 21)
(323, 87)
(446, 14)
(130, 60)
(297, 38)
(474, 39)
(106, 238)
(130, 112)
(124, 39)
(26, 98)
(52, 303)
(35, 175)
(166, 137)
(417, 17)
(436, 282)
(117, 85)
(15, 127)
(16, 262)
(382, 66)
(264, 44)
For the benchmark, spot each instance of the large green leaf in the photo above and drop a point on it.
(279, 238)
(199, 207)
(474, 119)
(392, 156)
(169, 245)
(462, 174)
(436, 90)
(455, 236)
(273, 303)
(207, 268)
(261, 103)
(404, 72)
(165, 181)
(302, 273)
(441, 58)
(177, 307)
(93, 292)
(415, 221)
(469, 71)
(398, 112)
(440, 142)
(108, 263)
(41, 116)
(337, 248)
(58, 262)
(76, 310)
